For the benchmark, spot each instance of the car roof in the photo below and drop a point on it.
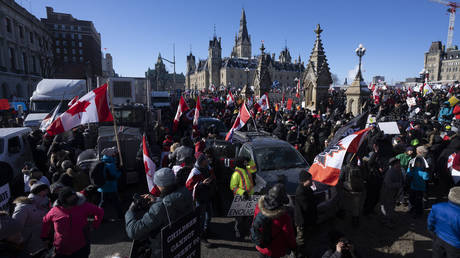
(262, 142)
(13, 131)
(208, 119)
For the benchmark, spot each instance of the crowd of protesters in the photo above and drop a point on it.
(59, 204)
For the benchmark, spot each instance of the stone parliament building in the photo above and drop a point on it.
(442, 65)
(231, 71)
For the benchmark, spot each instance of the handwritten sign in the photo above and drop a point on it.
(5, 195)
(182, 237)
(241, 207)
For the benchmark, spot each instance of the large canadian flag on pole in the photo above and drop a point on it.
(48, 120)
(91, 108)
(197, 113)
(240, 121)
(181, 109)
(149, 165)
(328, 164)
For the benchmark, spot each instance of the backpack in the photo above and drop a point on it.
(354, 181)
(261, 231)
(98, 174)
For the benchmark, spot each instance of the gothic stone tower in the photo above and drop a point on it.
(316, 77)
(214, 61)
(191, 67)
(262, 79)
(242, 46)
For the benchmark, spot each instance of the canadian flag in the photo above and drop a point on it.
(149, 165)
(240, 121)
(297, 94)
(91, 108)
(181, 109)
(375, 94)
(48, 120)
(263, 103)
(197, 113)
(73, 101)
(327, 165)
(230, 98)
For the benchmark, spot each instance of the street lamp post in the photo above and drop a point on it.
(424, 74)
(360, 51)
(247, 76)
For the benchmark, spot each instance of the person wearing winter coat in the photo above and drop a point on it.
(69, 221)
(305, 209)
(29, 217)
(199, 183)
(173, 203)
(11, 240)
(109, 191)
(445, 114)
(186, 149)
(391, 187)
(416, 177)
(444, 222)
(282, 237)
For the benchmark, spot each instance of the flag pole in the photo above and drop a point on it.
(115, 130)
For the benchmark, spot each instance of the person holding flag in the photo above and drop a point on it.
(242, 118)
(181, 109)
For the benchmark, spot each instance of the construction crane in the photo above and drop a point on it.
(452, 9)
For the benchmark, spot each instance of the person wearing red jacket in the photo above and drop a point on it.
(282, 232)
(69, 221)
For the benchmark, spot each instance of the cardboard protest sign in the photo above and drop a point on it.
(182, 237)
(241, 207)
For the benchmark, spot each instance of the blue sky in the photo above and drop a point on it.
(396, 33)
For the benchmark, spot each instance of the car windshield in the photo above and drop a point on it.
(2, 142)
(47, 106)
(278, 157)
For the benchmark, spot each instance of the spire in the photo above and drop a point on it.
(159, 60)
(262, 48)
(215, 35)
(318, 57)
(243, 32)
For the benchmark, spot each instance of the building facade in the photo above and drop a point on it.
(162, 80)
(76, 48)
(107, 66)
(240, 68)
(25, 51)
(442, 65)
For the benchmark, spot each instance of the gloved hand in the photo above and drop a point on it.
(246, 196)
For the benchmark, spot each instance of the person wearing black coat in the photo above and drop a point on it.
(305, 210)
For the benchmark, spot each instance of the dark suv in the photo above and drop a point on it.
(276, 161)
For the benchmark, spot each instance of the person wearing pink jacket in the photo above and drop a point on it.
(69, 217)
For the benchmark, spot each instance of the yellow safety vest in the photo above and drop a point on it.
(241, 182)
(251, 167)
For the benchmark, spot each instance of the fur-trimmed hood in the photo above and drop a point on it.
(81, 200)
(272, 214)
(22, 200)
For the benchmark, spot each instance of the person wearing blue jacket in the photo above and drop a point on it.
(109, 191)
(444, 222)
(417, 177)
(445, 114)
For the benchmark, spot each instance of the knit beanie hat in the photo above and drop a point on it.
(38, 187)
(164, 177)
(454, 195)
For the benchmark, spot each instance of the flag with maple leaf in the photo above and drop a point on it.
(91, 108)
(48, 120)
(181, 109)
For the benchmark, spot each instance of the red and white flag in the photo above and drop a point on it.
(297, 94)
(327, 165)
(375, 94)
(240, 121)
(181, 109)
(263, 103)
(149, 165)
(73, 101)
(91, 108)
(48, 120)
(230, 98)
(197, 113)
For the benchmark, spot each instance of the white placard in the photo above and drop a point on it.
(389, 127)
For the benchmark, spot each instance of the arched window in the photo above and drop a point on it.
(4, 91)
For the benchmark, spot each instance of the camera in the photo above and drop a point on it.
(140, 203)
